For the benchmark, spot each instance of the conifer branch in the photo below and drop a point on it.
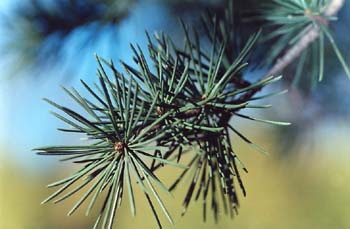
(312, 32)
(179, 101)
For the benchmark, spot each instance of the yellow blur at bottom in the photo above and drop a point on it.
(308, 190)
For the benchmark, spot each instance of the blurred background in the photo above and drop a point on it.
(303, 183)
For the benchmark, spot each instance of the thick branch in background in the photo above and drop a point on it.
(307, 36)
(312, 32)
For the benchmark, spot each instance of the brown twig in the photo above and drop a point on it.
(311, 33)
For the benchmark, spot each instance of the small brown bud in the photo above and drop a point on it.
(166, 66)
(118, 146)
(308, 13)
(160, 110)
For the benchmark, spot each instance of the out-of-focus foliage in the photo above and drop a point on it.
(39, 30)
(194, 7)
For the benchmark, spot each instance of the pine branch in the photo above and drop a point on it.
(311, 34)
(182, 102)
